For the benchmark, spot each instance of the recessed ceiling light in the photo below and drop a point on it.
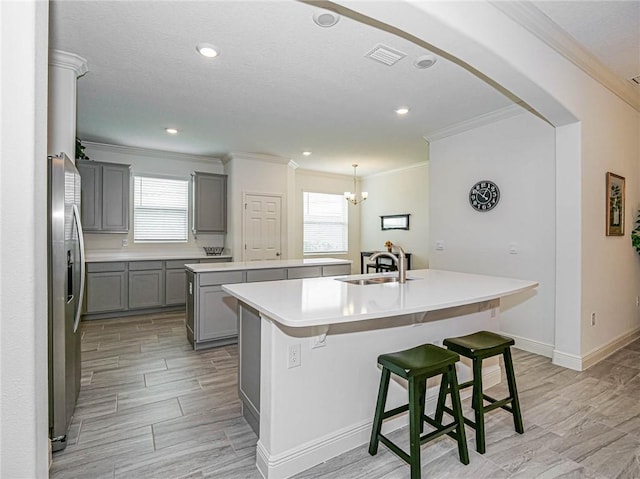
(171, 131)
(403, 110)
(425, 61)
(325, 18)
(306, 153)
(207, 50)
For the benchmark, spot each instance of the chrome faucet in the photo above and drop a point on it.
(400, 261)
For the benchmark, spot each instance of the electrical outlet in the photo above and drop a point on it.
(125, 242)
(293, 359)
(593, 319)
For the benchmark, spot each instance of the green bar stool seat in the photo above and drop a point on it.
(416, 365)
(477, 347)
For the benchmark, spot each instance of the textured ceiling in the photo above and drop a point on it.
(282, 84)
(608, 29)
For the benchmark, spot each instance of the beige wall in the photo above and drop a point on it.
(404, 191)
(317, 182)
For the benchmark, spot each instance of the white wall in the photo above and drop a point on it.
(518, 155)
(23, 240)
(254, 174)
(316, 182)
(152, 162)
(398, 192)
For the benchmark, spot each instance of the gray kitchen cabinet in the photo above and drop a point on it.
(218, 318)
(106, 287)
(146, 284)
(209, 203)
(105, 196)
(174, 282)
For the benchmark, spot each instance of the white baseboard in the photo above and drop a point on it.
(532, 346)
(580, 363)
(316, 452)
(608, 349)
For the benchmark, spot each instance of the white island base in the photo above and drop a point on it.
(323, 406)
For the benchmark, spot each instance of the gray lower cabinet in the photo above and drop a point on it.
(105, 196)
(146, 289)
(174, 291)
(218, 318)
(106, 291)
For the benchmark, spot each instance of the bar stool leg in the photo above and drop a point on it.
(377, 420)
(422, 401)
(415, 386)
(442, 397)
(456, 406)
(478, 405)
(513, 391)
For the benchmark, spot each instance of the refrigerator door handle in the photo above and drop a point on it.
(76, 217)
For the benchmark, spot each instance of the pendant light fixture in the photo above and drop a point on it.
(353, 196)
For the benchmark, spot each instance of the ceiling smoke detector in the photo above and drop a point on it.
(384, 54)
(425, 61)
(325, 18)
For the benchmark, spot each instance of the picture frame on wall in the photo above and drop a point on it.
(394, 222)
(615, 204)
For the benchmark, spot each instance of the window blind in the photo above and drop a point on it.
(325, 223)
(161, 208)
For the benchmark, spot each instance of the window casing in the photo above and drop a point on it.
(161, 210)
(326, 223)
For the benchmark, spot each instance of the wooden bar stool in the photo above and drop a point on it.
(479, 346)
(416, 365)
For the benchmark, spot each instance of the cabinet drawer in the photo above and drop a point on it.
(104, 267)
(215, 260)
(224, 277)
(144, 265)
(304, 272)
(336, 269)
(179, 263)
(266, 275)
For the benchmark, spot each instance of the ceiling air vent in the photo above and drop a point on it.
(384, 54)
(635, 80)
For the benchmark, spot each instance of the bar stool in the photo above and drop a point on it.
(416, 365)
(479, 346)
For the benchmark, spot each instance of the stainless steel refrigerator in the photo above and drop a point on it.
(66, 291)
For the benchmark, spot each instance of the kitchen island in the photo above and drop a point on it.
(308, 349)
(211, 313)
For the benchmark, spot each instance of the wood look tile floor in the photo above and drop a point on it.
(151, 407)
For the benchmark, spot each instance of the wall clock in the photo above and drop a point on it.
(484, 195)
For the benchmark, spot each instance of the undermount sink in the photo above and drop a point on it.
(376, 280)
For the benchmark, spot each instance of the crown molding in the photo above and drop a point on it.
(325, 174)
(536, 22)
(476, 122)
(398, 170)
(259, 157)
(71, 61)
(149, 153)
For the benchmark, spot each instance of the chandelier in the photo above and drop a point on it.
(353, 196)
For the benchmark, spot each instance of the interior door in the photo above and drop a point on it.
(262, 218)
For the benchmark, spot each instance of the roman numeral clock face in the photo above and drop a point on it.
(484, 195)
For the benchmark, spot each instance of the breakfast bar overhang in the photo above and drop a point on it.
(308, 348)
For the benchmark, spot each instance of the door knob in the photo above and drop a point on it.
(277, 254)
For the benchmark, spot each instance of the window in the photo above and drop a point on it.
(161, 209)
(325, 223)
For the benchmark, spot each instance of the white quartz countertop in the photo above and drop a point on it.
(105, 255)
(247, 265)
(323, 301)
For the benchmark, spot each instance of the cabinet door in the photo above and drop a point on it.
(146, 289)
(209, 203)
(115, 198)
(106, 291)
(91, 195)
(217, 314)
(175, 280)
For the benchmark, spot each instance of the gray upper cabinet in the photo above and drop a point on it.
(105, 196)
(209, 203)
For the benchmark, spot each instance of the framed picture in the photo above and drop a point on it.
(394, 222)
(615, 205)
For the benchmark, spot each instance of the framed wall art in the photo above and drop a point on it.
(394, 222)
(615, 205)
